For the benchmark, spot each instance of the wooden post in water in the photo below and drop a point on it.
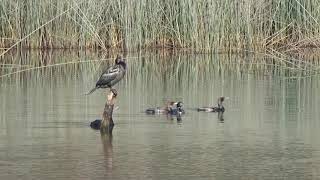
(107, 121)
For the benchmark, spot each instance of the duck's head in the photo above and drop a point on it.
(179, 105)
(121, 61)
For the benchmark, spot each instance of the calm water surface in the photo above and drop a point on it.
(270, 129)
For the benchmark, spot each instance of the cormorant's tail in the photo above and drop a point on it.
(92, 90)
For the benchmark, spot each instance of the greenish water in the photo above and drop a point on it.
(270, 128)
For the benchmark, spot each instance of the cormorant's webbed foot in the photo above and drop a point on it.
(114, 91)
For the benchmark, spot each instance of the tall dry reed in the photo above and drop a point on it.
(208, 25)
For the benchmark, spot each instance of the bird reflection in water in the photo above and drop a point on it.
(106, 140)
(220, 117)
(178, 117)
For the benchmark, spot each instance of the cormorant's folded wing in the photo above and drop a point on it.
(109, 75)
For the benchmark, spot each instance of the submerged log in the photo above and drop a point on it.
(96, 124)
(107, 120)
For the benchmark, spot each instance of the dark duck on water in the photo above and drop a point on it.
(168, 109)
(219, 108)
(178, 110)
(112, 75)
(161, 110)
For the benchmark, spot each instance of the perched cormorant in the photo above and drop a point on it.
(112, 75)
(219, 108)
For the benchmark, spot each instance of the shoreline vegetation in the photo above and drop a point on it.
(283, 33)
(198, 26)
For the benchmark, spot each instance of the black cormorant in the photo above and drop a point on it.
(219, 108)
(112, 75)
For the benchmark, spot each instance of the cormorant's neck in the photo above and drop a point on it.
(220, 104)
(123, 64)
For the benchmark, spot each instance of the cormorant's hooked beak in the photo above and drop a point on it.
(119, 59)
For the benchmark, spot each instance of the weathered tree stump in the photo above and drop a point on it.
(107, 120)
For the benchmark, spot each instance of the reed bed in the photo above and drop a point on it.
(202, 26)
